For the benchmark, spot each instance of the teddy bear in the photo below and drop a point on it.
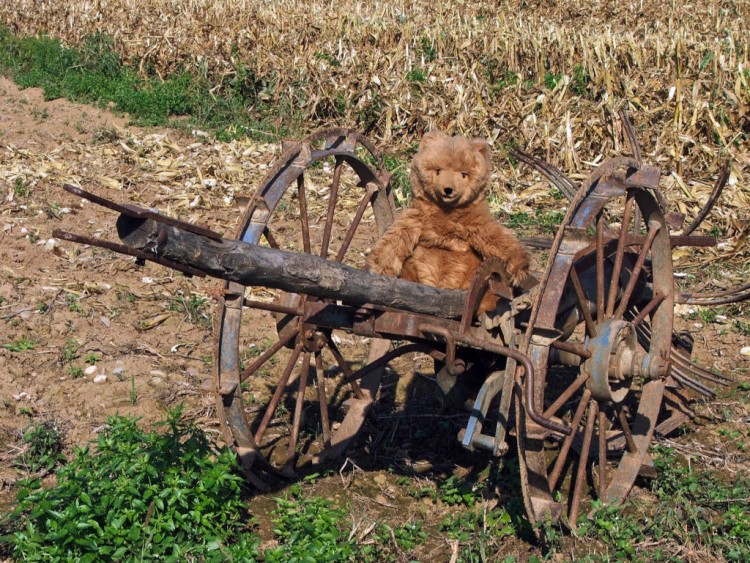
(448, 230)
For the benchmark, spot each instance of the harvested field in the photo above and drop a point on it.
(545, 77)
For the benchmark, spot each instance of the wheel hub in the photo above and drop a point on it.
(615, 359)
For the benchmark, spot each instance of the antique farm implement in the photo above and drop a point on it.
(581, 367)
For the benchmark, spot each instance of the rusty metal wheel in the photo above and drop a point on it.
(609, 272)
(278, 378)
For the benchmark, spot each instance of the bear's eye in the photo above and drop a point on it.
(437, 171)
(464, 175)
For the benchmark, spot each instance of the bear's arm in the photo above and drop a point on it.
(397, 244)
(492, 240)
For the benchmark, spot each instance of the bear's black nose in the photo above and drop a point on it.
(448, 191)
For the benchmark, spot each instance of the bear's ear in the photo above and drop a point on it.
(431, 137)
(481, 146)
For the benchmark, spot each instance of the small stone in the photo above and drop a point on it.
(91, 370)
(745, 351)
(101, 378)
(50, 245)
(105, 321)
(118, 371)
(157, 373)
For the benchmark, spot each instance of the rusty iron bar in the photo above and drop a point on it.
(583, 302)
(565, 395)
(602, 435)
(619, 255)
(558, 178)
(696, 370)
(572, 348)
(625, 425)
(521, 358)
(320, 379)
(371, 190)
(272, 307)
(600, 311)
(296, 421)
(631, 240)
(302, 199)
(141, 213)
(735, 295)
(568, 441)
(653, 230)
(650, 306)
(721, 181)
(266, 355)
(332, 199)
(271, 408)
(631, 136)
(682, 377)
(345, 369)
(122, 249)
(583, 458)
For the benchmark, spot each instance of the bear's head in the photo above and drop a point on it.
(451, 171)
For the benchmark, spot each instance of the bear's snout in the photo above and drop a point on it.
(448, 191)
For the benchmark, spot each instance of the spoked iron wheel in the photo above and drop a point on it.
(610, 271)
(277, 376)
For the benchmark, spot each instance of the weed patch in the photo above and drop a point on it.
(93, 72)
(164, 495)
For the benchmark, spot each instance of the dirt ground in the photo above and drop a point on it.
(87, 334)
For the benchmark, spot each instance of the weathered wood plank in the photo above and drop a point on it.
(253, 265)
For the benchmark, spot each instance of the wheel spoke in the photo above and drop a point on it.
(332, 199)
(270, 238)
(583, 303)
(565, 395)
(565, 448)
(625, 425)
(583, 462)
(650, 306)
(273, 307)
(265, 356)
(602, 452)
(573, 348)
(271, 408)
(322, 398)
(366, 199)
(345, 369)
(302, 198)
(600, 313)
(292, 447)
(619, 255)
(653, 229)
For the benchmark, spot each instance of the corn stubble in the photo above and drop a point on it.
(548, 77)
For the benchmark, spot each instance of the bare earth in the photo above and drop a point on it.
(75, 306)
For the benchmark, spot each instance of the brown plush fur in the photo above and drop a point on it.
(446, 233)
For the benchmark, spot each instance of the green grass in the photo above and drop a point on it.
(42, 447)
(156, 495)
(21, 345)
(92, 72)
(169, 494)
(311, 529)
(694, 507)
